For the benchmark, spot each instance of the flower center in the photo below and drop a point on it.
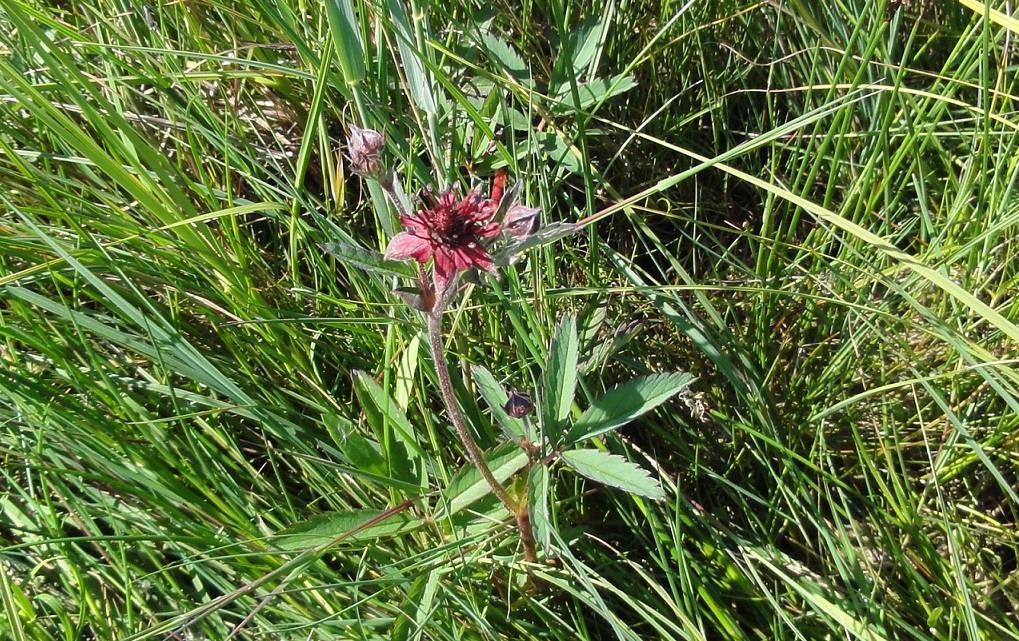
(450, 225)
(443, 220)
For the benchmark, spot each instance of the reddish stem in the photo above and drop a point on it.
(522, 510)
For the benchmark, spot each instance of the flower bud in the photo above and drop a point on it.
(364, 149)
(518, 405)
(521, 221)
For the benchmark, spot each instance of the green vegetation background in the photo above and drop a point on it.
(812, 207)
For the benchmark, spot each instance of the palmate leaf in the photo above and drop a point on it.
(508, 57)
(406, 458)
(364, 454)
(595, 91)
(468, 485)
(614, 471)
(537, 499)
(495, 396)
(578, 49)
(627, 401)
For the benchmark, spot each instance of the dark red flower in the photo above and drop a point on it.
(449, 230)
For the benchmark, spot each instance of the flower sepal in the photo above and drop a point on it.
(512, 251)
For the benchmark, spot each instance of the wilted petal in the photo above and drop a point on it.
(406, 245)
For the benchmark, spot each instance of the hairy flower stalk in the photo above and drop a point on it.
(474, 452)
(451, 232)
(520, 511)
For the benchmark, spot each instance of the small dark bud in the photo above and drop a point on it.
(518, 405)
(364, 149)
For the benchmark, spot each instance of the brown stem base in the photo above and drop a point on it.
(526, 533)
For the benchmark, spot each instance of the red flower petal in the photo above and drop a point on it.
(452, 230)
(489, 230)
(406, 245)
(413, 221)
(445, 264)
(461, 261)
(478, 257)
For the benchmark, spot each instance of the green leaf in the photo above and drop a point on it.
(614, 471)
(816, 597)
(380, 408)
(362, 258)
(537, 500)
(405, 457)
(508, 57)
(563, 153)
(406, 367)
(598, 353)
(417, 79)
(627, 401)
(346, 39)
(560, 379)
(418, 607)
(353, 526)
(590, 323)
(583, 43)
(468, 485)
(495, 396)
(576, 52)
(363, 454)
(596, 91)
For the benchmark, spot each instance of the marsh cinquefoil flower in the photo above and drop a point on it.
(449, 229)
